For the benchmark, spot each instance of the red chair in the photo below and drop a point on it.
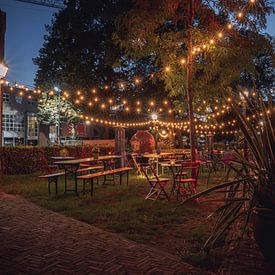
(185, 185)
(157, 184)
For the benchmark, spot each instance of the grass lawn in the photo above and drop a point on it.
(122, 209)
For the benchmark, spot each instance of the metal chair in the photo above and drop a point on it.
(185, 185)
(157, 184)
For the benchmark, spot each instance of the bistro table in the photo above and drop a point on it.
(72, 165)
(156, 157)
(174, 167)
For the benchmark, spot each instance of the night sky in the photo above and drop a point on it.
(24, 37)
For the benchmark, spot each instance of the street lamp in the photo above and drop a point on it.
(59, 109)
(3, 72)
(154, 116)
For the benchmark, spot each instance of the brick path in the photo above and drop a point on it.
(246, 259)
(34, 240)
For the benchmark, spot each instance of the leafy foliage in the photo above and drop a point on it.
(254, 186)
(159, 29)
(79, 54)
(48, 110)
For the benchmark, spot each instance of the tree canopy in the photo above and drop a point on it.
(79, 54)
(107, 44)
(226, 37)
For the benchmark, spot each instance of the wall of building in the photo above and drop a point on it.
(20, 124)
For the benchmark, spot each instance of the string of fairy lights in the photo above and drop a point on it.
(197, 49)
(202, 124)
(201, 127)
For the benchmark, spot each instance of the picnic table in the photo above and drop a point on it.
(71, 166)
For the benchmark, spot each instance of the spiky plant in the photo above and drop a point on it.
(253, 188)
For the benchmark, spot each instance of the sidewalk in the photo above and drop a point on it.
(36, 241)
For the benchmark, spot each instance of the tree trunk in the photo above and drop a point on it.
(190, 82)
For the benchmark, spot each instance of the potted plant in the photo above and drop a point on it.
(250, 197)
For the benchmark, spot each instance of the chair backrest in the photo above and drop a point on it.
(148, 166)
(193, 166)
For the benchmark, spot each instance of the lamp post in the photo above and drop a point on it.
(58, 117)
(3, 72)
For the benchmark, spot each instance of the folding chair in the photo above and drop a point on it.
(136, 164)
(185, 185)
(140, 160)
(157, 184)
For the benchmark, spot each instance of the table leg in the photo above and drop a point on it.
(71, 170)
(84, 187)
(75, 182)
(174, 181)
(92, 187)
(120, 178)
(65, 187)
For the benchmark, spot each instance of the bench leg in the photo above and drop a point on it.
(49, 185)
(75, 183)
(84, 187)
(127, 175)
(92, 187)
(65, 191)
(53, 180)
(120, 178)
(56, 186)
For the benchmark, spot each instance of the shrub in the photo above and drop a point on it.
(28, 159)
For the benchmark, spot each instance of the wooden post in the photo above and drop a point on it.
(120, 145)
(190, 81)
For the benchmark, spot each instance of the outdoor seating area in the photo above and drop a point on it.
(137, 137)
(181, 174)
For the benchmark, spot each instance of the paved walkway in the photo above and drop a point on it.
(34, 240)
(246, 260)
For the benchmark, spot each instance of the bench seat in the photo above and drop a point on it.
(90, 168)
(92, 176)
(52, 178)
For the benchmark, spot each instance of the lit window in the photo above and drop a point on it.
(18, 99)
(32, 126)
(13, 123)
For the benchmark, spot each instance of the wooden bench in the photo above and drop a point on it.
(90, 168)
(91, 177)
(53, 178)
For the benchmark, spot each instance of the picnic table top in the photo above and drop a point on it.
(62, 158)
(83, 160)
(155, 155)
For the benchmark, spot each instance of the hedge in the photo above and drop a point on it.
(29, 159)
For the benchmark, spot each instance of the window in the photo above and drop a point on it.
(6, 97)
(18, 99)
(13, 123)
(32, 126)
